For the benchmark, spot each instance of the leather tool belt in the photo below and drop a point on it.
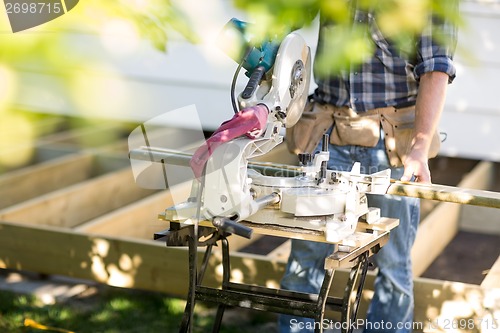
(360, 129)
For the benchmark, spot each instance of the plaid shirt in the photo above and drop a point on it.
(389, 78)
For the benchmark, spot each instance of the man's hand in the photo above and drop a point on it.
(416, 168)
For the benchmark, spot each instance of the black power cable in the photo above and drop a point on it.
(235, 78)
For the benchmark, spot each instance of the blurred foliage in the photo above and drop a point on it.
(155, 20)
(47, 45)
(47, 67)
(398, 20)
(26, 58)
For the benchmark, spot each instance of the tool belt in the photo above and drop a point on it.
(360, 129)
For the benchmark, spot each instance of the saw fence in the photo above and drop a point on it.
(74, 209)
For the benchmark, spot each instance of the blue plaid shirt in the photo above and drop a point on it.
(390, 77)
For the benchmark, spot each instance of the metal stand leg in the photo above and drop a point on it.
(226, 274)
(187, 318)
(351, 301)
(350, 306)
(322, 298)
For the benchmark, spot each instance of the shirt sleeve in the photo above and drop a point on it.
(436, 46)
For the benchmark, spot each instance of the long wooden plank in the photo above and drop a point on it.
(89, 134)
(152, 266)
(78, 203)
(30, 182)
(461, 194)
(139, 220)
(470, 191)
(116, 261)
(35, 154)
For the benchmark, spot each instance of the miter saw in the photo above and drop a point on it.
(232, 194)
(226, 191)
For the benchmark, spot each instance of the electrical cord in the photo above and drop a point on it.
(235, 78)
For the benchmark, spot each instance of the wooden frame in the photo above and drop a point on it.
(81, 215)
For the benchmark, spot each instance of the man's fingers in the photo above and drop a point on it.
(407, 175)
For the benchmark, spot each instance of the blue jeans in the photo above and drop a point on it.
(393, 298)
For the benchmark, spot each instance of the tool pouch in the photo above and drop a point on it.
(399, 128)
(306, 134)
(355, 129)
(363, 129)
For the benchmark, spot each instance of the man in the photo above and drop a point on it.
(388, 83)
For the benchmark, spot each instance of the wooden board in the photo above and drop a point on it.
(137, 220)
(78, 203)
(87, 133)
(99, 225)
(150, 265)
(122, 262)
(41, 178)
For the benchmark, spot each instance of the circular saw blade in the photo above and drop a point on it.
(292, 76)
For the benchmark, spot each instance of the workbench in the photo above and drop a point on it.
(351, 253)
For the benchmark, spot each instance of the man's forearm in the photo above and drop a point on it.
(429, 106)
(430, 102)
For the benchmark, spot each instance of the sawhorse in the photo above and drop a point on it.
(354, 257)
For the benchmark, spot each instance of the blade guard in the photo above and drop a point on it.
(285, 94)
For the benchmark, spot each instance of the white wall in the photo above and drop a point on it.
(140, 83)
(472, 114)
(115, 77)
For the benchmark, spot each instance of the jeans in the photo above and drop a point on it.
(393, 297)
